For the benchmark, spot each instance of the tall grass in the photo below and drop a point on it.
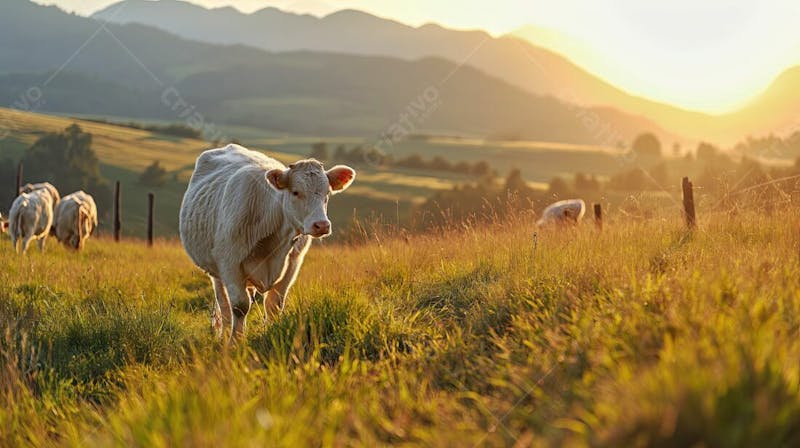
(642, 335)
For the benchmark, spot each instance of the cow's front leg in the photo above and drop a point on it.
(221, 319)
(41, 242)
(239, 299)
(275, 299)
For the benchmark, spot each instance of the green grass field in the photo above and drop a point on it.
(644, 335)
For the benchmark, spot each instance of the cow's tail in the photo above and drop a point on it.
(82, 214)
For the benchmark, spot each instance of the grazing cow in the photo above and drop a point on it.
(563, 213)
(75, 219)
(248, 221)
(30, 219)
(54, 195)
(47, 186)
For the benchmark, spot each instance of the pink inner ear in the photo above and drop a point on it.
(341, 177)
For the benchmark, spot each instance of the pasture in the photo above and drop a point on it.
(643, 335)
(390, 193)
(124, 153)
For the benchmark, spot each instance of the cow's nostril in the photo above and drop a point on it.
(322, 227)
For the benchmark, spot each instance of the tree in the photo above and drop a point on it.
(66, 160)
(559, 188)
(319, 151)
(515, 182)
(706, 152)
(340, 154)
(8, 172)
(481, 168)
(154, 175)
(647, 145)
(584, 183)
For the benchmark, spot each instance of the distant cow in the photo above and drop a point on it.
(248, 221)
(50, 189)
(75, 219)
(47, 186)
(30, 219)
(3, 224)
(563, 213)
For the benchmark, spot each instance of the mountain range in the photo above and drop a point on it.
(511, 58)
(349, 73)
(87, 66)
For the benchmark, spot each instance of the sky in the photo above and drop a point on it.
(709, 55)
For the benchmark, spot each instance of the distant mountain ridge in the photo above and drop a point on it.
(510, 58)
(140, 71)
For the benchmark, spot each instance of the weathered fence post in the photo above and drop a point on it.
(688, 203)
(117, 212)
(150, 202)
(19, 179)
(598, 216)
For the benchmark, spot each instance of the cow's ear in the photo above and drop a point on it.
(278, 178)
(340, 177)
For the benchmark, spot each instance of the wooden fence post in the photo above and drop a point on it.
(117, 211)
(150, 202)
(19, 179)
(598, 216)
(688, 203)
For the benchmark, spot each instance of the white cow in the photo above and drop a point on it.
(248, 221)
(30, 219)
(47, 186)
(563, 213)
(75, 219)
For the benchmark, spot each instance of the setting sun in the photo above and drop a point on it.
(712, 55)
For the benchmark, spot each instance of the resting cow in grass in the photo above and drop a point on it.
(75, 219)
(563, 213)
(248, 221)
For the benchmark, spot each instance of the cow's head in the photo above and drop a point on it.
(307, 187)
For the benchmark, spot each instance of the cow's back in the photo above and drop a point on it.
(31, 214)
(220, 176)
(67, 211)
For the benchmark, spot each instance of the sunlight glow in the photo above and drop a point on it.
(710, 55)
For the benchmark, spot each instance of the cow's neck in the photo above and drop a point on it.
(264, 264)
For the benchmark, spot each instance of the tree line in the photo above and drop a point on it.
(359, 155)
(66, 160)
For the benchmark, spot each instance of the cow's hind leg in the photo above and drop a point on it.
(221, 319)
(41, 242)
(275, 299)
(16, 242)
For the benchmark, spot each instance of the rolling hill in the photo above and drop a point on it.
(389, 192)
(124, 153)
(144, 72)
(515, 58)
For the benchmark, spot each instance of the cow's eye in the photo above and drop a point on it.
(296, 193)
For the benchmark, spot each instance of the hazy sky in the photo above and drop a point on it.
(702, 54)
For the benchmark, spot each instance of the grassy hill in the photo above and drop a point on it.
(644, 335)
(125, 152)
